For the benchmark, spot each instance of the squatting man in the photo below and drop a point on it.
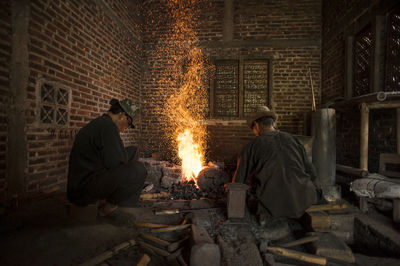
(276, 166)
(102, 169)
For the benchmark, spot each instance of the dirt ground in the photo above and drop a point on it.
(40, 232)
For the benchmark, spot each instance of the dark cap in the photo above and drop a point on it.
(130, 109)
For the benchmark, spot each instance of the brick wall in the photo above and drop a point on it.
(92, 48)
(5, 57)
(340, 18)
(261, 29)
(333, 69)
(255, 19)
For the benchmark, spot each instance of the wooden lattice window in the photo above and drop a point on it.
(226, 88)
(363, 55)
(392, 82)
(255, 79)
(54, 103)
(239, 87)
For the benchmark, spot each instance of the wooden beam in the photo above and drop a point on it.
(351, 170)
(364, 137)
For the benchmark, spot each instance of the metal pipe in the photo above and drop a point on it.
(324, 147)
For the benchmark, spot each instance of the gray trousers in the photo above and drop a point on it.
(121, 185)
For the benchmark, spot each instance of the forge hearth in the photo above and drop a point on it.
(167, 176)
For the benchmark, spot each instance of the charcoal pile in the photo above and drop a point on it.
(186, 191)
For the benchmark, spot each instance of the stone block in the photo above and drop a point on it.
(168, 181)
(201, 218)
(330, 246)
(154, 173)
(175, 171)
(200, 235)
(201, 204)
(377, 236)
(205, 254)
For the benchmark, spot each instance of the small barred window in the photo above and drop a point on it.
(54, 103)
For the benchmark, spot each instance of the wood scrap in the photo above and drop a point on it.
(150, 225)
(175, 254)
(144, 260)
(298, 255)
(109, 253)
(319, 221)
(147, 196)
(175, 245)
(154, 239)
(157, 250)
(166, 212)
(327, 207)
(170, 228)
(181, 261)
(300, 241)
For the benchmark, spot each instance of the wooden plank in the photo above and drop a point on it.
(170, 228)
(156, 250)
(150, 225)
(319, 221)
(298, 255)
(327, 207)
(364, 137)
(154, 239)
(109, 253)
(144, 260)
(300, 241)
(174, 246)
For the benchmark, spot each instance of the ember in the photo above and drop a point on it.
(183, 82)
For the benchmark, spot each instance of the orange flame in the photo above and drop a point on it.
(190, 154)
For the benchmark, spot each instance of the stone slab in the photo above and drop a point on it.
(205, 254)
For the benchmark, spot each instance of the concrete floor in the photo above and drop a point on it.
(40, 232)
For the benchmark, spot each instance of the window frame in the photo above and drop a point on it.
(241, 90)
(57, 86)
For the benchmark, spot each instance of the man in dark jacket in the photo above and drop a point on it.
(276, 165)
(100, 168)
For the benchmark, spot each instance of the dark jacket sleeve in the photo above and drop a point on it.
(113, 150)
(244, 165)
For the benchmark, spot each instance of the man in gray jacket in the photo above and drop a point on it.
(275, 164)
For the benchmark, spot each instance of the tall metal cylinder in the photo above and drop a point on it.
(323, 125)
